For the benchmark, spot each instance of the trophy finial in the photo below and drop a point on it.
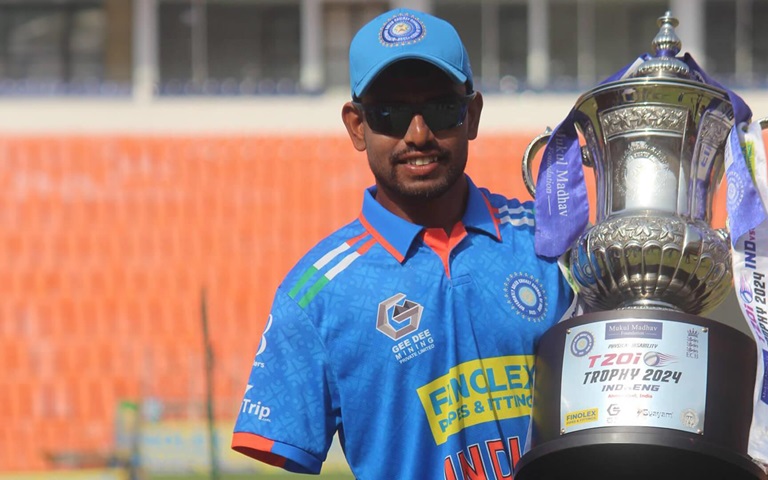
(666, 45)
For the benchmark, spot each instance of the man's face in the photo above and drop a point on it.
(422, 162)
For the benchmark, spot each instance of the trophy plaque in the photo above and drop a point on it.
(642, 386)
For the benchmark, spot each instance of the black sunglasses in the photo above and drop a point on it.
(393, 119)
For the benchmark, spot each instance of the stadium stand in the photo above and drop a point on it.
(108, 243)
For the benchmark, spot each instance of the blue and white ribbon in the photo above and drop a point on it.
(745, 152)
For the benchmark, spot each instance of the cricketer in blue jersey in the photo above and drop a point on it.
(411, 330)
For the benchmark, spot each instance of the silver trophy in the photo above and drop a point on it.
(642, 386)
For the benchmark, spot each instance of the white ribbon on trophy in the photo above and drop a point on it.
(750, 262)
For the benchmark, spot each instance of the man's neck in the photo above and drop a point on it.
(439, 212)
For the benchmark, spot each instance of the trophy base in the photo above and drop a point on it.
(633, 453)
(714, 449)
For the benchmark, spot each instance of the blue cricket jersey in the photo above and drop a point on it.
(417, 346)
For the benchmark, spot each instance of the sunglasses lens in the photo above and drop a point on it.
(389, 119)
(394, 120)
(444, 115)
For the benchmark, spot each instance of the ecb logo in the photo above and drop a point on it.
(398, 317)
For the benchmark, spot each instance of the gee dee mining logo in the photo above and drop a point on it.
(399, 318)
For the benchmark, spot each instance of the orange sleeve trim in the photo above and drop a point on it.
(257, 447)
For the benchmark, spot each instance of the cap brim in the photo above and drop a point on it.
(365, 82)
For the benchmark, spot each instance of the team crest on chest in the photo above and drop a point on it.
(526, 296)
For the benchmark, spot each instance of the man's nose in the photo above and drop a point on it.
(418, 132)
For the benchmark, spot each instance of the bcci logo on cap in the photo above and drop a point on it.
(402, 29)
(398, 317)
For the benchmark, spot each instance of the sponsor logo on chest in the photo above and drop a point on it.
(398, 318)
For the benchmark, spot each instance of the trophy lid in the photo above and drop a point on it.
(666, 46)
(661, 68)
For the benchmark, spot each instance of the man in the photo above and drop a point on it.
(410, 330)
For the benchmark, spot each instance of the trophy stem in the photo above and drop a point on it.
(647, 304)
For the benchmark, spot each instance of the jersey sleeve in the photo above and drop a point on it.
(289, 412)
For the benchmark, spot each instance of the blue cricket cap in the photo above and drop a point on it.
(406, 34)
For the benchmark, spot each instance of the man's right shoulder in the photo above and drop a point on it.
(327, 251)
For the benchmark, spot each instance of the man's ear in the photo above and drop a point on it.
(474, 109)
(354, 121)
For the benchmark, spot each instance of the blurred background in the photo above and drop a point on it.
(163, 163)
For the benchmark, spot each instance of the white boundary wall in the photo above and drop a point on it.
(526, 112)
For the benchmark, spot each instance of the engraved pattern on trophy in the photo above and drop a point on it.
(644, 164)
(715, 128)
(642, 262)
(630, 119)
(708, 151)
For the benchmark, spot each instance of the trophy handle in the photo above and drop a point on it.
(724, 235)
(541, 141)
(531, 151)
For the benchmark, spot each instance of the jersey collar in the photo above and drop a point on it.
(396, 234)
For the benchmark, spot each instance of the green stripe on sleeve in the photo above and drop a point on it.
(304, 279)
(313, 291)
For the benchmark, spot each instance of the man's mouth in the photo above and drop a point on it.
(421, 161)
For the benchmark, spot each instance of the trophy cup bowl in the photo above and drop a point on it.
(643, 386)
(657, 147)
